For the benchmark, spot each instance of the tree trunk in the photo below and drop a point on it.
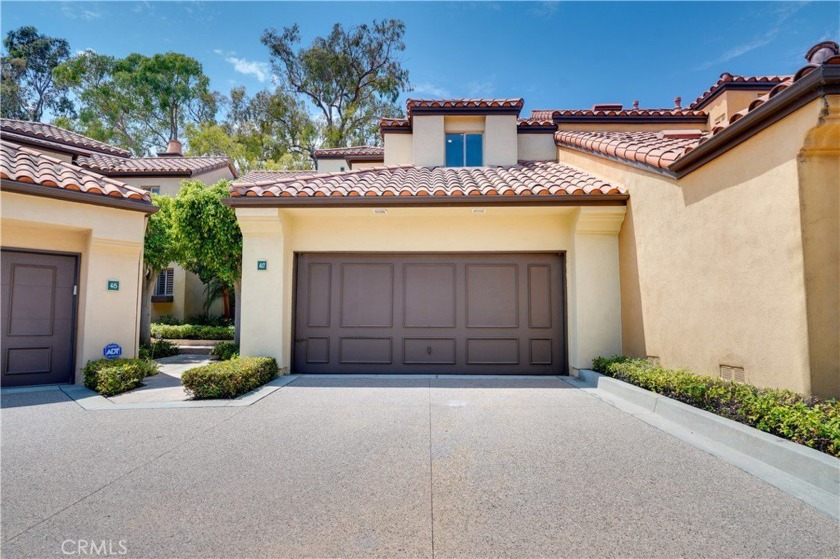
(225, 301)
(237, 310)
(146, 308)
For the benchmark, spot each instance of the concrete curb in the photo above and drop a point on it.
(810, 475)
(92, 401)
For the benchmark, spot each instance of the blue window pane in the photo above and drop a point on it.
(454, 150)
(474, 150)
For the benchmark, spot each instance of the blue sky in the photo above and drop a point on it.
(555, 55)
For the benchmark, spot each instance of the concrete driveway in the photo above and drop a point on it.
(383, 467)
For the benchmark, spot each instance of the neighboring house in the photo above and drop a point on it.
(337, 160)
(705, 237)
(178, 293)
(72, 252)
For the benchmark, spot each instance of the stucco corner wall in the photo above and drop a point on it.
(109, 243)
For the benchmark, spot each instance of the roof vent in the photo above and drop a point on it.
(636, 104)
(173, 149)
(681, 134)
(608, 107)
(678, 102)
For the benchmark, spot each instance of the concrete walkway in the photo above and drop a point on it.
(373, 467)
(166, 385)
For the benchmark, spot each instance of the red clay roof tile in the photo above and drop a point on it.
(43, 134)
(560, 114)
(263, 175)
(649, 148)
(444, 104)
(367, 152)
(27, 165)
(110, 165)
(736, 81)
(531, 178)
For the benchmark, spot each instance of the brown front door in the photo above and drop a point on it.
(38, 314)
(430, 314)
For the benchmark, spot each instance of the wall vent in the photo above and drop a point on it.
(731, 372)
(653, 360)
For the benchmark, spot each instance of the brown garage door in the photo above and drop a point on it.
(430, 313)
(38, 313)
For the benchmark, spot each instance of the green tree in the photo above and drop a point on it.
(139, 102)
(208, 236)
(159, 249)
(351, 77)
(28, 88)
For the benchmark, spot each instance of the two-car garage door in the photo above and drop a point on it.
(430, 313)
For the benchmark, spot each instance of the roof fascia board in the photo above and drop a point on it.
(426, 201)
(74, 196)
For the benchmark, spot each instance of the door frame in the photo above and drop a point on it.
(564, 290)
(74, 311)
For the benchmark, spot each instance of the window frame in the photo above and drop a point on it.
(464, 144)
(167, 277)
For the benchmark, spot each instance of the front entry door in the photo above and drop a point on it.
(38, 318)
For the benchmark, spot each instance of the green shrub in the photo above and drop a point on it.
(158, 349)
(205, 319)
(192, 332)
(168, 319)
(114, 376)
(808, 421)
(224, 351)
(229, 379)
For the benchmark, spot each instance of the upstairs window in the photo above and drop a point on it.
(165, 282)
(464, 150)
(152, 189)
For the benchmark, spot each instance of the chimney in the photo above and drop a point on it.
(678, 102)
(636, 105)
(821, 52)
(173, 149)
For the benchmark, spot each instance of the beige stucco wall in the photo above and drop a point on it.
(398, 148)
(587, 235)
(500, 142)
(536, 147)
(728, 103)
(169, 186)
(110, 242)
(428, 148)
(712, 268)
(332, 165)
(356, 165)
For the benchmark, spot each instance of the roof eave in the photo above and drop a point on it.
(425, 201)
(630, 119)
(823, 80)
(75, 196)
(744, 86)
(665, 172)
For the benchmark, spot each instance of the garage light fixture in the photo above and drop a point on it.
(380, 211)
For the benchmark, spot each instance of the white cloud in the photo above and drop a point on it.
(260, 70)
(431, 89)
(484, 88)
(79, 11)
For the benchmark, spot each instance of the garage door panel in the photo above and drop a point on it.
(429, 351)
(429, 296)
(430, 313)
(367, 295)
(492, 293)
(361, 351)
(38, 318)
(319, 299)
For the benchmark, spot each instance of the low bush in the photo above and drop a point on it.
(808, 421)
(114, 376)
(168, 319)
(229, 379)
(192, 332)
(224, 351)
(158, 349)
(205, 319)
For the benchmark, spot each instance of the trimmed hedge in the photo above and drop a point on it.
(224, 351)
(808, 421)
(192, 332)
(158, 349)
(229, 379)
(114, 376)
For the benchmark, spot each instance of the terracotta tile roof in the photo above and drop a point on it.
(736, 81)
(110, 165)
(656, 149)
(559, 114)
(535, 124)
(48, 135)
(262, 175)
(532, 178)
(416, 105)
(27, 165)
(394, 123)
(367, 152)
